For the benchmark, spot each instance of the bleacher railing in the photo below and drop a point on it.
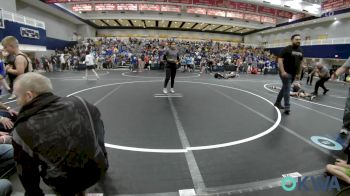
(13, 17)
(330, 41)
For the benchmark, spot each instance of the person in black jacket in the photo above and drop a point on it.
(63, 136)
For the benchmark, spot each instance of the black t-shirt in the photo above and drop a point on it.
(292, 58)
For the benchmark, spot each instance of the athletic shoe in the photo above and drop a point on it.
(279, 106)
(325, 92)
(312, 97)
(165, 90)
(172, 90)
(314, 93)
(287, 112)
(344, 131)
(12, 97)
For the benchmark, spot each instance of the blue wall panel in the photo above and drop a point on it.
(322, 51)
(14, 29)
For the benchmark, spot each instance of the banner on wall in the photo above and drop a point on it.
(237, 15)
(204, 2)
(196, 10)
(105, 6)
(246, 7)
(82, 7)
(2, 24)
(284, 14)
(214, 12)
(30, 33)
(149, 7)
(170, 8)
(267, 10)
(252, 17)
(127, 7)
(266, 19)
(180, 1)
(331, 5)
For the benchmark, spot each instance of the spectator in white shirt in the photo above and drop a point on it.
(90, 65)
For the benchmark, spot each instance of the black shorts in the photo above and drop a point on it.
(90, 67)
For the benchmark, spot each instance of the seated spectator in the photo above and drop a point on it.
(7, 163)
(340, 169)
(7, 168)
(7, 118)
(60, 139)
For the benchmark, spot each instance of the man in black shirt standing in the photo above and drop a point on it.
(289, 64)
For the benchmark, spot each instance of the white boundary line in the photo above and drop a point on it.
(273, 127)
(126, 75)
(162, 96)
(108, 94)
(197, 178)
(77, 77)
(328, 106)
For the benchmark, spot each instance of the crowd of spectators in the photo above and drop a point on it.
(138, 54)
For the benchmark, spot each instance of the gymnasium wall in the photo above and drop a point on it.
(85, 30)
(144, 33)
(56, 27)
(338, 51)
(14, 29)
(9, 5)
(331, 29)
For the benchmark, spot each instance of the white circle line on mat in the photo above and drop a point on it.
(77, 77)
(126, 75)
(194, 148)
